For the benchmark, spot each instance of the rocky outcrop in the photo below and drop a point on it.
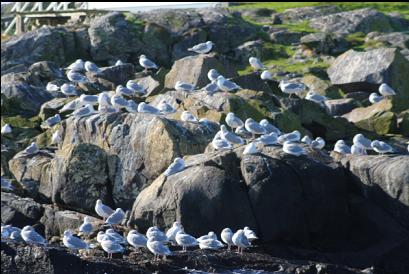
(110, 77)
(337, 107)
(307, 13)
(19, 211)
(324, 43)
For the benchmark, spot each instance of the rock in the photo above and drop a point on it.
(158, 42)
(194, 69)
(257, 14)
(253, 81)
(393, 39)
(52, 107)
(322, 86)
(251, 49)
(110, 77)
(285, 37)
(306, 13)
(365, 71)
(324, 43)
(358, 95)
(46, 71)
(19, 211)
(338, 107)
(403, 123)
(377, 117)
(361, 20)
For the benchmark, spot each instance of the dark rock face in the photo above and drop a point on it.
(324, 43)
(110, 77)
(337, 107)
(19, 211)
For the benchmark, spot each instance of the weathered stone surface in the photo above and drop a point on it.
(285, 37)
(19, 211)
(110, 77)
(337, 107)
(306, 13)
(52, 107)
(324, 43)
(393, 39)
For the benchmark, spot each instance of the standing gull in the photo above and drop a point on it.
(240, 240)
(253, 127)
(88, 99)
(233, 121)
(102, 210)
(386, 90)
(111, 247)
(256, 64)
(112, 234)
(30, 236)
(212, 75)
(211, 88)
(53, 120)
(226, 85)
(250, 234)
(156, 234)
(381, 147)
(315, 97)
(375, 98)
(291, 88)
(293, 149)
(341, 147)
(360, 141)
(136, 239)
(185, 240)
(157, 248)
(226, 237)
(91, 67)
(171, 233)
(6, 129)
(84, 111)
(185, 87)
(86, 227)
(72, 242)
(230, 136)
(177, 166)
(202, 47)
(188, 117)
(146, 63)
(136, 87)
(116, 217)
(31, 149)
(269, 127)
(146, 108)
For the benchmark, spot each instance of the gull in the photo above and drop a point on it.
(6, 184)
(177, 166)
(52, 87)
(102, 210)
(116, 217)
(315, 97)
(306, 140)
(72, 242)
(146, 108)
(182, 86)
(16, 236)
(233, 121)
(256, 64)
(212, 75)
(250, 149)
(91, 67)
(230, 136)
(386, 90)
(240, 240)
(185, 240)
(211, 88)
(221, 144)
(53, 120)
(76, 77)
(226, 85)
(341, 147)
(202, 47)
(8, 230)
(210, 244)
(104, 99)
(242, 132)
(78, 65)
(30, 236)
(118, 63)
(136, 87)
(357, 150)
(111, 109)
(56, 138)
(360, 141)
(188, 117)
(268, 139)
(210, 235)
(250, 234)
(112, 234)
(226, 237)
(156, 234)
(104, 236)
(6, 129)
(86, 227)
(375, 98)
(74, 104)
(136, 239)
(166, 108)
(146, 63)
(381, 147)
(132, 107)
(31, 149)
(88, 99)
(111, 247)
(269, 127)
(318, 143)
(291, 137)
(68, 89)
(293, 149)
(121, 90)
(266, 76)
(253, 127)
(157, 248)
(84, 111)
(118, 102)
(171, 233)
(291, 88)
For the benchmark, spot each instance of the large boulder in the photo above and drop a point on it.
(19, 211)
(324, 43)
(365, 71)
(307, 13)
(110, 77)
(337, 107)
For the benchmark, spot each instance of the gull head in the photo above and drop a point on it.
(142, 56)
(67, 233)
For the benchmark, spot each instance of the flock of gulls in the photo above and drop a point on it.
(235, 133)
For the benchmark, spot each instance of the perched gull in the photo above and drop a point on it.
(381, 147)
(226, 85)
(375, 98)
(386, 90)
(185, 240)
(230, 136)
(86, 227)
(78, 65)
(241, 131)
(53, 120)
(357, 150)
(72, 242)
(166, 108)
(157, 248)
(269, 127)
(211, 88)
(6, 184)
(268, 139)
(76, 77)
(88, 99)
(221, 144)
(202, 47)
(68, 89)
(291, 88)
(16, 236)
(6, 129)
(226, 237)
(212, 75)
(250, 234)
(73, 105)
(105, 236)
(266, 76)
(56, 138)
(31, 149)
(102, 210)
(306, 140)
(294, 136)
(188, 117)
(30, 236)
(360, 141)
(112, 234)
(132, 107)
(250, 149)
(233, 121)
(146, 108)
(318, 143)
(118, 63)
(293, 149)
(121, 90)
(146, 63)
(136, 87)
(84, 111)
(315, 97)
(118, 102)
(256, 64)
(240, 240)
(52, 87)
(116, 217)
(104, 99)
(341, 147)
(210, 244)
(111, 247)
(156, 234)
(210, 235)
(136, 239)
(91, 67)
(182, 86)
(253, 127)
(177, 166)
(171, 233)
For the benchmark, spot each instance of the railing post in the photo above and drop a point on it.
(19, 24)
